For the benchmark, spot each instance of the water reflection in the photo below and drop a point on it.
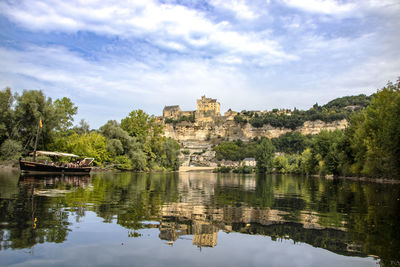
(346, 217)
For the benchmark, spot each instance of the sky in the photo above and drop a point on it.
(112, 57)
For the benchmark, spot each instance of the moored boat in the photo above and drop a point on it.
(79, 167)
(45, 167)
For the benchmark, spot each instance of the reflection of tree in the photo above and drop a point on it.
(331, 239)
(17, 217)
(129, 198)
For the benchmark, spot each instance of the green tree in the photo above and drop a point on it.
(374, 135)
(124, 163)
(32, 106)
(170, 153)
(228, 151)
(112, 131)
(147, 132)
(90, 145)
(114, 146)
(281, 164)
(82, 128)
(139, 160)
(141, 125)
(290, 142)
(265, 155)
(66, 110)
(326, 150)
(307, 162)
(10, 149)
(6, 114)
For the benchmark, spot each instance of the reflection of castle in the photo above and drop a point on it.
(204, 222)
(206, 107)
(205, 235)
(197, 214)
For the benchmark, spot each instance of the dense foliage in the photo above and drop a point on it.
(135, 144)
(374, 135)
(337, 109)
(370, 146)
(180, 119)
(236, 151)
(291, 142)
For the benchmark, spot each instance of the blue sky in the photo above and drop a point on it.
(111, 57)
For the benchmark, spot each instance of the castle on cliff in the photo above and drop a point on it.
(206, 108)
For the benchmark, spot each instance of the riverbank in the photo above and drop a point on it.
(191, 169)
(13, 166)
(9, 166)
(373, 180)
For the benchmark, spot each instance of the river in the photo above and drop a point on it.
(197, 219)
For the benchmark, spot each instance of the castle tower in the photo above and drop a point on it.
(207, 107)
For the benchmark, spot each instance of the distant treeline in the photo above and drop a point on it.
(135, 143)
(337, 109)
(370, 145)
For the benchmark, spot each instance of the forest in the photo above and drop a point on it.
(135, 143)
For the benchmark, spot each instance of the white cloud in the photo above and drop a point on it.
(353, 8)
(329, 7)
(119, 84)
(172, 26)
(173, 54)
(112, 87)
(238, 7)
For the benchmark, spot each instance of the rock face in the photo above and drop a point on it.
(230, 130)
(199, 137)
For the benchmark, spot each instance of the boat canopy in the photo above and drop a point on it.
(88, 161)
(59, 154)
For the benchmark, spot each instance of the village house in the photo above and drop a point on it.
(251, 162)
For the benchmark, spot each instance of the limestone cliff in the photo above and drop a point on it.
(230, 130)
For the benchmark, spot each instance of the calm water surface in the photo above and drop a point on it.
(197, 219)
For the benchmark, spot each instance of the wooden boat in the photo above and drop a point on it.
(80, 167)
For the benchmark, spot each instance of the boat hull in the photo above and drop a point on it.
(36, 167)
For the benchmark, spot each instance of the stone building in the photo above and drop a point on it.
(207, 107)
(173, 112)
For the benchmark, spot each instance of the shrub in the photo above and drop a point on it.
(223, 169)
(123, 163)
(186, 151)
(10, 149)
